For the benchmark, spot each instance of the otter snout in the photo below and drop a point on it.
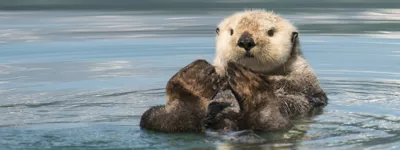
(246, 41)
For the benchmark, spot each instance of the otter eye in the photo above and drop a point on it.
(271, 32)
(231, 31)
(217, 31)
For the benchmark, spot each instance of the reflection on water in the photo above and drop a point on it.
(82, 79)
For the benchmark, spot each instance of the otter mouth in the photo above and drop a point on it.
(248, 54)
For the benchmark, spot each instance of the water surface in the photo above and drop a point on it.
(82, 79)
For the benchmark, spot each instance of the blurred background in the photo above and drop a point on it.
(77, 19)
(78, 74)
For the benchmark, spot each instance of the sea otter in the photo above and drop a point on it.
(258, 65)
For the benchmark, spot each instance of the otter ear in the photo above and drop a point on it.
(295, 44)
(294, 37)
(217, 31)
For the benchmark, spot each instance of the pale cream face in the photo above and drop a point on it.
(271, 34)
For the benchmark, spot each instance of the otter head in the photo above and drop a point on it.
(260, 40)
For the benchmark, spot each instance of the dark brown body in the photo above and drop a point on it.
(268, 104)
(265, 103)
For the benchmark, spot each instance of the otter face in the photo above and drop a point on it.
(260, 40)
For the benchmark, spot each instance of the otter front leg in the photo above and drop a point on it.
(258, 102)
(188, 94)
(196, 83)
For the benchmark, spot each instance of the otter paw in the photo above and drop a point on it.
(318, 100)
(214, 115)
(315, 101)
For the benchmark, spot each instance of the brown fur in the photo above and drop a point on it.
(263, 107)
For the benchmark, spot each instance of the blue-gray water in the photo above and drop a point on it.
(82, 79)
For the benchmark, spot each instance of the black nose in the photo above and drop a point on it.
(245, 41)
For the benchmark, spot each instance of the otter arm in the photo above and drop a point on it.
(188, 94)
(259, 105)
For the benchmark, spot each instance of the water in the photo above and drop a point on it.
(82, 79)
